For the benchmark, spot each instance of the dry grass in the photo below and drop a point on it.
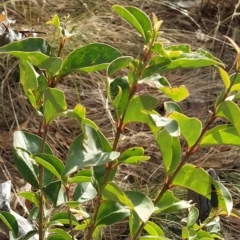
(97, 23)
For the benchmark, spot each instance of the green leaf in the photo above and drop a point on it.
(34, 213)
(99, 173)
(225, 77)
(138, 19)
(177, 94)
(84, 192)
(225, 201)
(111, 212)
(84, 175)
(27, 46)
(90, 58)
(63, 217)
(221, 135)
(157, 64)
(59, 234)
(170, 125)
(170, 150)
(153, 238)
(185, 233)
(171, 107)
(50, 162)
(134, 223)
(30, 142)
(52, 65)
(10, 221)
(28, 78)
(54, 103)
(170, 204)
(25, 166)
(189, 176)
(30, 196)
(230, 111)
(120, 92)
(153, 229)
(118, 63)
(139, 108)
(114, 193)
(185, 123)
(55, 21)
(143, 205)
(192, 216)
(133, 156)
(88, 150)
(197, 59)
(29, 235)
(186, 48)
(97, 234)
(55, 193)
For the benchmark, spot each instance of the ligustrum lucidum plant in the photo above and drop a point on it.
(93, 160)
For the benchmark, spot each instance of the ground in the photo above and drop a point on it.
(201, 24)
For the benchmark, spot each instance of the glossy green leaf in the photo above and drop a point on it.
(10, 221)
(170, 150)
(88, 150)
(225, 77)
(28, 78)
(170, 125)
(27, 46)
(133, 156)
(230, 111)
(157, 47)
(118, 63)
(90, 58)
(153, 238)
(138, 19)
(139, 108)
(119, 92)
(192, 216)
(114, 193)
(156, 65)
(97, 234)
(189, 176)
(54, 103)
(156, 80)
(52, 65)
(186, 48)
(185, 233)
(143, 205)
(25, 166)
(59, 234)
(221, 97)
(84, 192)
(197, 59)
(30, 196)
(29, 235)
(30, 142)
(26, 144)
(224, 197)
(63, 218)
(111, 212)
(84, 175)
(170, 107)
(50, 162)
(153, 229)
(34, 213)
(177, 94)
(55, 193)
(99, 173)
(221, 135)
(170, 204)
(134, 223)
(235, 79)
(185, 123)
